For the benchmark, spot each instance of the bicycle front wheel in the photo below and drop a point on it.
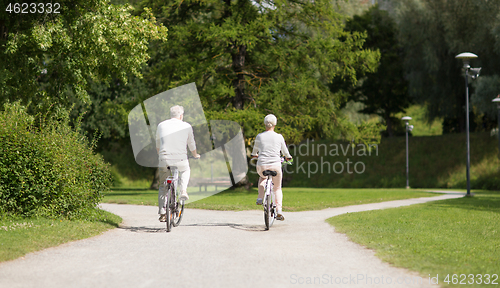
(267, 211)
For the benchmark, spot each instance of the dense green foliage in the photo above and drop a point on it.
(252, 58)
(48, 170)
(50, 59)
(432, 33)
(383, 92)
(486, 88)
(107, 112)
(59, 65)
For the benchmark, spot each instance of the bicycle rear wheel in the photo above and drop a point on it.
(267, 212)
(169, 207)
(178, 212)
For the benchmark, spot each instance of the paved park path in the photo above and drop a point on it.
(214, 249)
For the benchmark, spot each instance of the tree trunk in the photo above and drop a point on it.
(239, 92)
(3, 30)
(239, 81)
(389, 130)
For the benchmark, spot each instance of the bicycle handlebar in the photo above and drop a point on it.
(286, 162)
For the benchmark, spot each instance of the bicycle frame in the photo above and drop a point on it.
(269, 208)
(269, 188)
(173, 179)
(269, 201)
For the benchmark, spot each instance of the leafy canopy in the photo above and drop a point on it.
(49, 170)
(433, 32)
(383, 92)
(50, 58)
(252, 58)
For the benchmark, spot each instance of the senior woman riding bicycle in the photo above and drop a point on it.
(268, 146)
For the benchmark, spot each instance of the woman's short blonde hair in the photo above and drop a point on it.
(270, 121)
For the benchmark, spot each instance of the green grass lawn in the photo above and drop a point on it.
(294, 199)
(20, 236)
(458, 236)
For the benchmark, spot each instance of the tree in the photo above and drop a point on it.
(252, 58)
(49, 59)
(353, 7)
(383, 92)
(433, 32)
(106, 114)
(487, 88)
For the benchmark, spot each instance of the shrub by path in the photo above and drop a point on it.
(213, 249)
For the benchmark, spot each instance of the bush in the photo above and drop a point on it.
(49, 170)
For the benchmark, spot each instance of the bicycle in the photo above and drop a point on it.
(270, 209)
(174, 205)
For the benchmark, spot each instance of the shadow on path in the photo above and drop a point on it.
(232, 225)
(143, 229)
(243, 227)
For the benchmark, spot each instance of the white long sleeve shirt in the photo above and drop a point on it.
(268, 146)
(172, 138)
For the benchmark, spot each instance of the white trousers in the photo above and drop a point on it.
(182, 182)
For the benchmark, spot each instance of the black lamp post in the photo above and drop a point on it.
(474, 73)
(408, 129)
(497, 100)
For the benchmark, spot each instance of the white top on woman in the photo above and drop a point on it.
(268, 146)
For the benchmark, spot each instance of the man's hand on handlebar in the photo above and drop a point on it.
(195, 154)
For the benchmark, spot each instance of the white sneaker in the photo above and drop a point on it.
(279, 216)
(184, 196)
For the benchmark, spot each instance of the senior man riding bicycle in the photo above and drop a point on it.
(172, 138)
(268, 146)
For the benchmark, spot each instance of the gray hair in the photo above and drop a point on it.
(176, 111)
(270, 121)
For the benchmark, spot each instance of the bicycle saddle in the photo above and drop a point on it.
(172, 167)
(269, 172)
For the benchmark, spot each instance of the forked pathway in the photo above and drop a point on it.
(214, 249)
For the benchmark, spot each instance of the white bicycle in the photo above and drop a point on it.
(269, 201)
